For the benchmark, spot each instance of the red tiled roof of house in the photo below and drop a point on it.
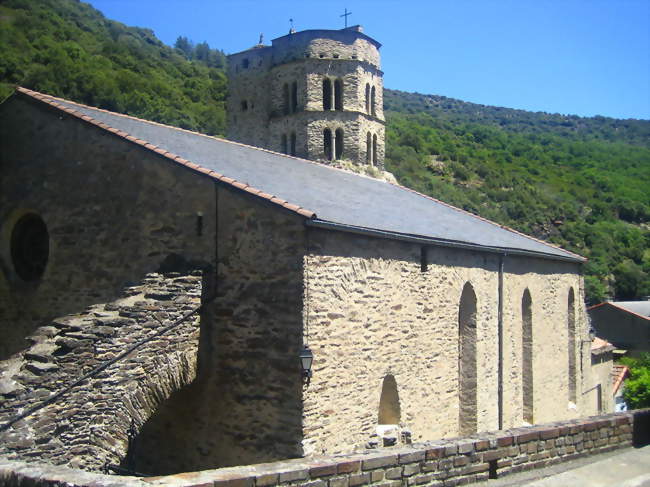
(619, 374)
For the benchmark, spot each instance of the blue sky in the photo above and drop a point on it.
(584, 57)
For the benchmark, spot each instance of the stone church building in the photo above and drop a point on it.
(164, 283)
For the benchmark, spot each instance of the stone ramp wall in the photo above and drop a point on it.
(446, 463)
(87, 427)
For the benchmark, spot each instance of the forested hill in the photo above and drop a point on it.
(69, 49)
(521, 121)
(582, 183)
(579, 182)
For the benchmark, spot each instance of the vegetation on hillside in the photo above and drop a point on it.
(637, 387)
(581, 183)
(69, 49)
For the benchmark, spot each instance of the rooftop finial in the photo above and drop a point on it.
(346, 16)
(261, 39)
(291, 30)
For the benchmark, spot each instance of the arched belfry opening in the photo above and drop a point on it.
(327, 144)
(369, 148)
(367, 98)
(373, 94)
(327, 94)
(527, 356)
(285, 99)
(389, 408)
(338, 94)
(338, 143)
(571, 344)
(467, 380)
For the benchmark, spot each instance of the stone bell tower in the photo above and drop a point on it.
(316, 94)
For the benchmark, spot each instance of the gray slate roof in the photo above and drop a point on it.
(335, 196)
(641, 308)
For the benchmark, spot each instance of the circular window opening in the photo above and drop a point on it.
(30, 247)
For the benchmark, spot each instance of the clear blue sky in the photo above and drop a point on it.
(584, 57)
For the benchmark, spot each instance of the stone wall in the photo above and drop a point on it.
(371, 311)
(87, 427)
(114, 212)
(246, 406)
(447, 463)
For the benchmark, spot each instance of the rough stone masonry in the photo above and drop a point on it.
(88, 426)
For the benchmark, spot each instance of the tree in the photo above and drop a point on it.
(637, 387)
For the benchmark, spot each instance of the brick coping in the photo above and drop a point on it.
(446, 462)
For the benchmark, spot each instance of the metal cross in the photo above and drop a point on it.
(346, 17)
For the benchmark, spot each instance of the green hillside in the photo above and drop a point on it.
(581, 183)
(69, 49)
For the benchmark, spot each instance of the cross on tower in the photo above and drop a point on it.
(346, 17)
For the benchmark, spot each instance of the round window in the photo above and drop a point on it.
(30, 247)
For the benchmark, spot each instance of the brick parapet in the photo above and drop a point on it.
(447, 462)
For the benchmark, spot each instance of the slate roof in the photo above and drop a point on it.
(638, 308)
(327, 196)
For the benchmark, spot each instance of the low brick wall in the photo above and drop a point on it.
(444, 463)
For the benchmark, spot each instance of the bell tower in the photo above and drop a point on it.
(316, 94)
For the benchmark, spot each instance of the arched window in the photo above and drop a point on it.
(284, 144)
(372, 101)
(244, 105)
(467, 381)
(293, 143)
(338, 145)
(285, 99)
(571, 325)
(294, 97)
(527, 356)
(368, 148)
(367, 97)
(30, 247)
(374, 149)
(338, 94)
(389, 409)
(327, 94)
(327, 144)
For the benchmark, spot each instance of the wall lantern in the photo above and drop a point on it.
(306, 359)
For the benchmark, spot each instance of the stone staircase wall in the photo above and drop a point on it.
(88, 426)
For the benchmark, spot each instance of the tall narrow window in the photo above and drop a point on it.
(327, 94)
(338, 94)
(285, 99)
(338, 144)
(367, 98)
(293, 143)
(327, 144)
(467, 382)
(294, 97)
(368, 148)
(571, 325)
(284, 144)
(373, 110)
(389, 409)
(527, 357)
(374, 149)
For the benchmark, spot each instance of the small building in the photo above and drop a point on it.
(626, 324)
